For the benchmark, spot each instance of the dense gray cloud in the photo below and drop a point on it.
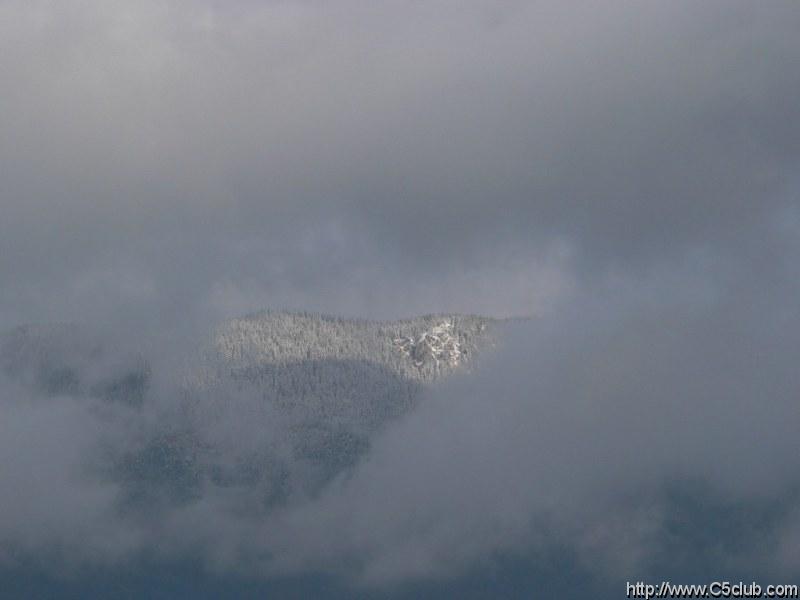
(581, 429)
(626, 172)
(205, 158)
(579, 432)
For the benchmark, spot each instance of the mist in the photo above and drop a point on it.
(619, 179)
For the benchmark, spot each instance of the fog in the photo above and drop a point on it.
(624, 175)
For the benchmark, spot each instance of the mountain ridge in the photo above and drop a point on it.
(315, 388)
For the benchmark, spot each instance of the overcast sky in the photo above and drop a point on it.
(627, 172)
(202, 159)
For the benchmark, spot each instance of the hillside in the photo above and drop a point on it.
(314, 389)
(328, 367)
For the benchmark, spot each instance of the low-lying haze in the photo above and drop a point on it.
(624, 173)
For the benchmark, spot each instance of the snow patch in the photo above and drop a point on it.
(437, 345)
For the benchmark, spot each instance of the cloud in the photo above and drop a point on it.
(624, 173)
(637, 414)
(582, 431)
(358, 160)
(52, 504)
